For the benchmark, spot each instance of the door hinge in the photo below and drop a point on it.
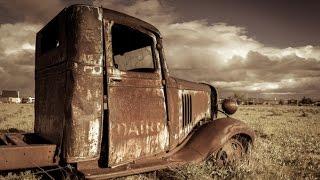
(163, 82)
(105, 102)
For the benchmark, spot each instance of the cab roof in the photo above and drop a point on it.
(123, 18)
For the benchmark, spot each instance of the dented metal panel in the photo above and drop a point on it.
(69, 82)
(83, 127)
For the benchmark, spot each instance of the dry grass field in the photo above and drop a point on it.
(287, 144)
(15, 117)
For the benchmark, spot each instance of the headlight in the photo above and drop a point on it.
(229, 106)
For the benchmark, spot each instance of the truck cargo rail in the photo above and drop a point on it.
(25, 150)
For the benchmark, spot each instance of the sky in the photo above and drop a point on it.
(254, 48)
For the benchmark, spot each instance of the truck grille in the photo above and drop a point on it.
(186, 110)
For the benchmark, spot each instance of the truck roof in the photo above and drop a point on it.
(124, 18)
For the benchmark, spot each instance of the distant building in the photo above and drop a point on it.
(10, 96)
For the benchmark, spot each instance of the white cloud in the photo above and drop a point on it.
(307, 52)
(17, 45)
(17, 37)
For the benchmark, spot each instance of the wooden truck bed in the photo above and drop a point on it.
(19, 150)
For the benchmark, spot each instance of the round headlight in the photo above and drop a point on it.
(229, 106)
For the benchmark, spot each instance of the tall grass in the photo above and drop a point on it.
(287, 144)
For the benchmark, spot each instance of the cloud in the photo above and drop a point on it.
(17, 56)
(260, 73)
(307, 51)
(218, 53)
(33, 11)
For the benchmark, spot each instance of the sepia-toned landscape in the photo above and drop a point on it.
(141, 89)
(287, 144)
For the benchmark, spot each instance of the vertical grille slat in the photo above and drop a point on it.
(186, 110)
(190, 109)
(183, 111)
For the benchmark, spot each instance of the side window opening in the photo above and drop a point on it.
(132, 49)
(49, 37)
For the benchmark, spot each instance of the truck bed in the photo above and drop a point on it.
(25, 150)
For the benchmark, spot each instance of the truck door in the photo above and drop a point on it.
(136, 99)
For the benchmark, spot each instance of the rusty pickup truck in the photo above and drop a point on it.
(105, 103)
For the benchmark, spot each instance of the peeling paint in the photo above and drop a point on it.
(200, 109)
(93, 138)
(100, 14)
(93, 70)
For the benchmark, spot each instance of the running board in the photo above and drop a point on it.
(128, 169)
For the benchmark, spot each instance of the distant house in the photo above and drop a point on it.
(10, 96)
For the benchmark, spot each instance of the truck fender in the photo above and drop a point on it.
(210, 137)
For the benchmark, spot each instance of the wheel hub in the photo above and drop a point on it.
(231, 152)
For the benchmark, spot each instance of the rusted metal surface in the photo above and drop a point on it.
(128, 169)
(137, 110)
(50, 80)
(210, 137)
(229, 106)
(83, 127)
(200, 107)
(198, 146)
(25, 151)
(122, 18)
(69, 82)
(137, 103)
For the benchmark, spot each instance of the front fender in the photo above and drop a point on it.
(210, 138)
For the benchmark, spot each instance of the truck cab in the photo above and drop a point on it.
(104, 96)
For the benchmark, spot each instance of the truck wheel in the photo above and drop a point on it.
(231, 152)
